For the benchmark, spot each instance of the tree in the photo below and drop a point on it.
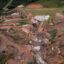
(4, 4)
(8, 4)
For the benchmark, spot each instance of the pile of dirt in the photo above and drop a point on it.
(34, 6)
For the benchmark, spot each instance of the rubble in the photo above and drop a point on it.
(31, 43)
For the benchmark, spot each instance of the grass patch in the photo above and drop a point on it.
(42, 11)
(53, 34)
(23, 23)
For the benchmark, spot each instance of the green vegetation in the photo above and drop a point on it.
(23, 23)
(30, 62)
(47, 3)
(4, 58)
(10, 4)
(42, 11)
(1, 20)
(13, 3)
(52, 3)
(53, 34)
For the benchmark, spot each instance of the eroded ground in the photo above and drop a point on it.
(20, 43)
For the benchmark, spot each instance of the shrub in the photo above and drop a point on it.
(23, 23)
(1, 21)
(4, 58)
(53, 34)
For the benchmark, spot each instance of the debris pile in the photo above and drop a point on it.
(32, 40)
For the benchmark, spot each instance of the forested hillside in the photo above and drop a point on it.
(52, 3)
(47, 3)
(14, 3)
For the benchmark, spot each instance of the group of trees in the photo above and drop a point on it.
(52, 3)
(10, 4)
(13, 3)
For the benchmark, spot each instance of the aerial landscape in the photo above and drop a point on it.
(31, 31)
